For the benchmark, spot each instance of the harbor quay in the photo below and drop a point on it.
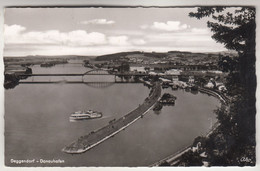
(94, 138)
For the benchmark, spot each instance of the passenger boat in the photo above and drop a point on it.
(82, 115)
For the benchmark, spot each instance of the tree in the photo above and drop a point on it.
(124, 67)
(227, 64)
(191, 159)
(235, 28)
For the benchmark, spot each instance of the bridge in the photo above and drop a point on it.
(93, 78)
(90, 84)
(94, 72)
(91, 72)
(85, 77)
(98, 78)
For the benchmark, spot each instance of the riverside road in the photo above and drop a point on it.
(94, 138)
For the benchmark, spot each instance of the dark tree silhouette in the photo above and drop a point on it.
(235, 28)
(191, 159)
(124, 67)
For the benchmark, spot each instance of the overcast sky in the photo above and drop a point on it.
(97, 31)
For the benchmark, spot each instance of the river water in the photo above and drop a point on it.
(37, 122)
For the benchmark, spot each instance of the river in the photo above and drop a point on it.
(37, 122)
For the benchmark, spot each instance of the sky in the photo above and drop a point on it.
(98, 31)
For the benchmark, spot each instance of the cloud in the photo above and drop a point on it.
(198, 35)
(14, 35)
(99, 22)
(145, 26)
(118, 40)
(13, 29)
(200, 31)
(18, 41)
(168, 26)
(138, 41)
(180, 38)
(11, 32)
(191, 40)
(82, 38)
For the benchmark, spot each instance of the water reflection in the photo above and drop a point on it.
(99, 84)
(157, 112)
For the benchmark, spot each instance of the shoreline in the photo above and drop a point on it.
(85, 143)
(173, 158)
(72, 149)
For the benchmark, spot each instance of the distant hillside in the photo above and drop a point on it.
(116, 56)
(182, 54)
(49, 57)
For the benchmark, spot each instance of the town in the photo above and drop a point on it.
(174, 68)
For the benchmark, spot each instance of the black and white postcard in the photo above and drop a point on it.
(129, 86)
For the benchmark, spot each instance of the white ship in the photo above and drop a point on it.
(82, 115)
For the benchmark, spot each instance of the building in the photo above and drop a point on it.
(165, 80)
(175, 78)
(173, 72)
(137, 69)
(153, 73)
(191, 79)
(209, 85)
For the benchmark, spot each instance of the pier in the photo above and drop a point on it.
(94, 138)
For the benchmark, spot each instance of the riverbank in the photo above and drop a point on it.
(94, 138)
(174, 159)
(218, 95)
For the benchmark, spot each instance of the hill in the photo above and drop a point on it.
(116, 56)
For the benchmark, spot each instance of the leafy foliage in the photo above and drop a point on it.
(235, 28)
(124, 67)
(191, 159)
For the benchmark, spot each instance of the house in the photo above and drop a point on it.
(173, 72)
(191, 79)
(153, 73)
(175, 78)
(137, 69)
(209, 85)
(165, 80)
